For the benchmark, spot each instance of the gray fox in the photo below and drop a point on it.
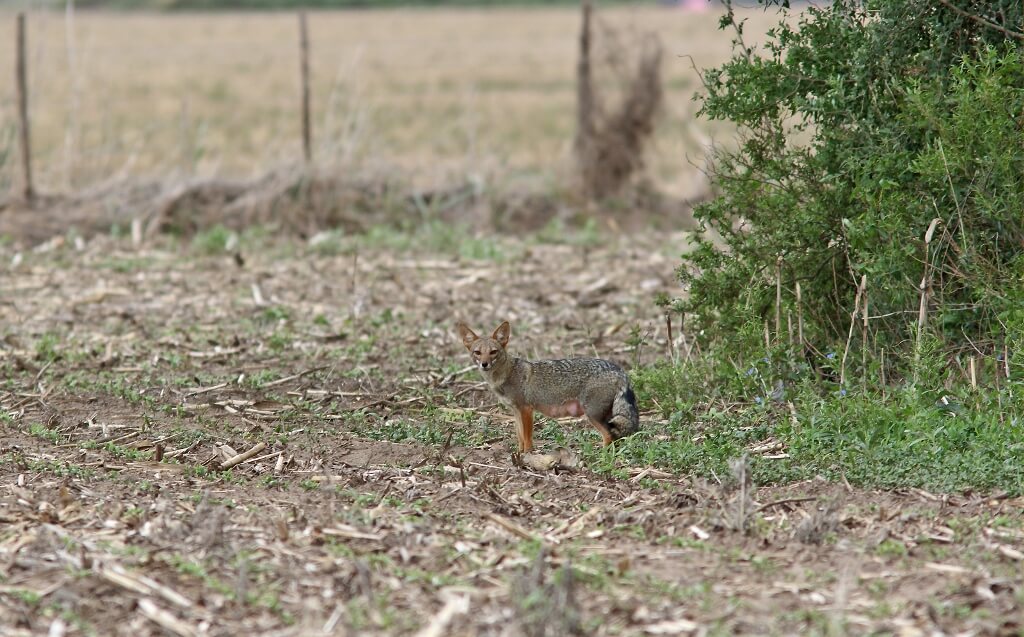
(593, 387)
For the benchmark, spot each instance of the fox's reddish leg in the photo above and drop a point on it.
(524, 426)
(604, 431)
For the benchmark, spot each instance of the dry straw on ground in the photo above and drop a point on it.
(134, 375)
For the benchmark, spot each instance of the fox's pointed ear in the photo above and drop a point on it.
(502, 333)
(467, 335)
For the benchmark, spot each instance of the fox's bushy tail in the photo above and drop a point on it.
(625, 419)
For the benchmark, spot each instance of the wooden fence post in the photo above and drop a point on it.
(307, 133)
(21, 88)
(585, 101)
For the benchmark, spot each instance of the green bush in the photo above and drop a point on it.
(903, 111)
(863, 124)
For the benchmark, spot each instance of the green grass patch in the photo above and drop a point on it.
(60, 469)
(440, 237)
(127, 264)
(901, 438)
(40, 430)
(213, 241)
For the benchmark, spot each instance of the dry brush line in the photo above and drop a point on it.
(298, 200)
(301, 201)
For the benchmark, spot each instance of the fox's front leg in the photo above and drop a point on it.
(524, 428)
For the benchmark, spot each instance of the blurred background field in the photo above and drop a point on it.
(435, 93)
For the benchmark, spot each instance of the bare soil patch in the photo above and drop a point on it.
(382, 496)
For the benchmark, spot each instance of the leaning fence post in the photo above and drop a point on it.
(307, 133)
(21, 88)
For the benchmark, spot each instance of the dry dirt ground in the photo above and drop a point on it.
(381, 495)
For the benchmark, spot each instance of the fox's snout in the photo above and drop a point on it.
(485, 357)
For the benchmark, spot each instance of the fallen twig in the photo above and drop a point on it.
(242, 457)
(351, 533)
(456, 605)
(512, 527)
(142, 585)
(776, 503)
(166, 619)
(281, 381)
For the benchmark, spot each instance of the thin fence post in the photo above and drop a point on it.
(585, 102)
(71, 128)
(307, 133)
(21, 87)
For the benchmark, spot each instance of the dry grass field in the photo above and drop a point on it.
(435, 93)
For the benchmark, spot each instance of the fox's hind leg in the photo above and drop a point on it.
(616, 418)
(625, 418)
(605, 434)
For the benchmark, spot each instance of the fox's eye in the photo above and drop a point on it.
(494, 352)
(476, 352)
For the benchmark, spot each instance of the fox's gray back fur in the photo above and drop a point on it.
(601, 387)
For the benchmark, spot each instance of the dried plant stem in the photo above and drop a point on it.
(973, 367)
(881, 370)
(800, 318)
(849, 336)
(864, 334)
(242, 457)
(999, 392)
(778, 297)
(355, 272)
(686, 344)
(671, 343)
(956, 200)
(922, 312)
